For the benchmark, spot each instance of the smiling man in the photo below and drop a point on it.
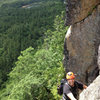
(71, 87)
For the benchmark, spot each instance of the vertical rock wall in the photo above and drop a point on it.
(82, 39)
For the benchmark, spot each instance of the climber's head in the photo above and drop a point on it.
(70, 78)
(70, 75)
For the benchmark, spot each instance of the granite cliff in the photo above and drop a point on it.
(82, 41)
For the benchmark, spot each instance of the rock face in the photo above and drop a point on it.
(77, 10)
(99, 57)
(82, 40)
(92, 92)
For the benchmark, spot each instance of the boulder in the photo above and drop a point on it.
(92, 92)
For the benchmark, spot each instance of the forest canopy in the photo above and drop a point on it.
(31, 49)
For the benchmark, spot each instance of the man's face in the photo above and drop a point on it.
(71, 82)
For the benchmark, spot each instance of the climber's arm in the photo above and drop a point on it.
(70, 95)
(80, 85)
(67, 92)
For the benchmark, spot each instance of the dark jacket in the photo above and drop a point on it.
(74, 90)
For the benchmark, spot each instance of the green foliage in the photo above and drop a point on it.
(37, 73)
(22, 27)
(7, 2)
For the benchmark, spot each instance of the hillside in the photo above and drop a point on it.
(4, 2)
(22, 27)
(8, 1)
(37, 72)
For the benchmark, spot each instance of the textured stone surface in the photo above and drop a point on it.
(77, 10)
(99, 58)
(92, 92)
(81, 47)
